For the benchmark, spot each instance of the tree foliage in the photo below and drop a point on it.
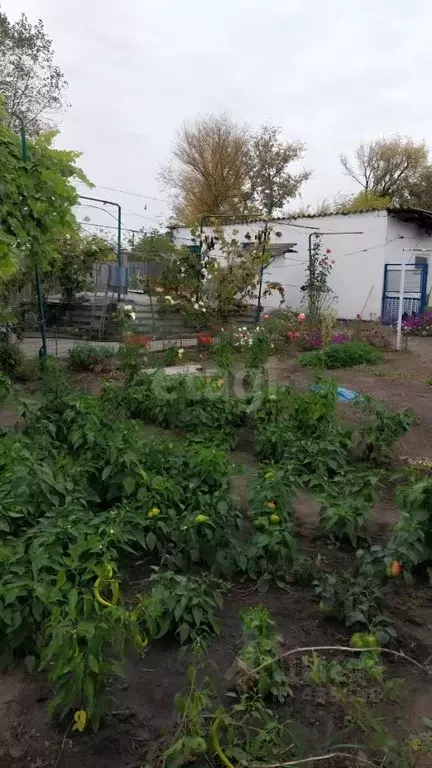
(220, 167)
(271, 182)
(78, 252)
(420, 189)
(388, 167)
(209, 171)
(36, 200)
(32, 86)
(153, 246)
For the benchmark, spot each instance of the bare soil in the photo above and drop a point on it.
(143, 701)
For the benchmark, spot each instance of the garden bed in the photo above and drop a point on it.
(144, 701)
(137, 732)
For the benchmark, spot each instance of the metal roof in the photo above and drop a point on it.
(409, 215)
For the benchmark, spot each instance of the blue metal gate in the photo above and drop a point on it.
(414, 291)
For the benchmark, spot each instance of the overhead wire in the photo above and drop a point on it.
(98, 208)
(127, 210)
(132, 194)
(141, 215)
(107, 226)
(370, 248)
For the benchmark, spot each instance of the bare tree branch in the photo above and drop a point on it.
(387, 167)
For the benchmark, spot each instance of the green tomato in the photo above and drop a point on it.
(358, 640)
(200, 519)
(274, 519)
(326, 607)
(269, 475)
(199, 745)
(370, 640)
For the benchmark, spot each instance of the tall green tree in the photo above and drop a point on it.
(208, 172)
(220, 167)
(36, 200)
(272, 182)
(78, 253)
(32, 85)
(154, 246)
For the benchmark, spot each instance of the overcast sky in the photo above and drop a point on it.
(329, 72)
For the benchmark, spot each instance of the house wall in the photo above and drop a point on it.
(405, 236)
(358, 271)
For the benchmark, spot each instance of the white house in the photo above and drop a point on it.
(367, 249)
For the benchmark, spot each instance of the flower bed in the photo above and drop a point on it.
(421, 325)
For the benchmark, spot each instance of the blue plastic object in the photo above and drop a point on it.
(343, 395)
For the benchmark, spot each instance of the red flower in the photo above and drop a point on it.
(328, 250)
(266, 317)
(206, 341)
(137, 340)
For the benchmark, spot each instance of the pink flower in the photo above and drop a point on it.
(328, 250)
(266, 317)
(301, 317)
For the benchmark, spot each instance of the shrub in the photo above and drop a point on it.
(342, 356)
(29, 370)
(340, 338)
(5, 387)
(376, 337)
(310, 340)
(11, 358)
(90, 357)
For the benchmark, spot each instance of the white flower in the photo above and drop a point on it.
(128, 307)
(203, 309)
(180, 352)
(132, 315)
(196, 306)
(167, 298)
(201, 302)
(111, 530)
(244, 328)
